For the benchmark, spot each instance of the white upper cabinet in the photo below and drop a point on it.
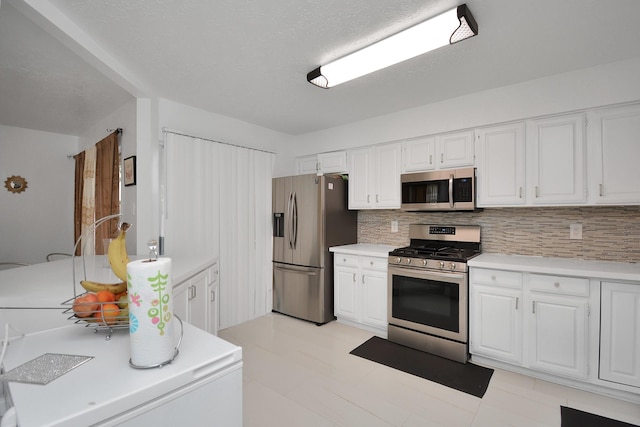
(455, 149)
(556, 160)
(331, 162)
(419, 154)
(614, 150)
(500, 165)
(374, 177)
(444, 151)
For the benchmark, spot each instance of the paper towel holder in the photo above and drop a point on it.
(175, 353)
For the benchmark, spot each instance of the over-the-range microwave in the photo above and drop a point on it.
(441, 190)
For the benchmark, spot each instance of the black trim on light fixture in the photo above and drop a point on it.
(315, 77)
(464, 16)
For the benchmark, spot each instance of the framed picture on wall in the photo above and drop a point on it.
(130, 171)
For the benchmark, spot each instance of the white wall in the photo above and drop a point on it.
(39, 220)
(598, 86)
(125, 118)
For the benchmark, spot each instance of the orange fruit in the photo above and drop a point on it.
(85, 305)
(110, 312)
(106, 296)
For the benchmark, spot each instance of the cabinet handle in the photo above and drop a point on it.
(367, 198)
(533, 307)
(537, 189)
(493, 277)
(600, 189)
(521, 192)
(318, 166)
(363, 279)
(441, 157)
(377, 199)
(517, 300)
(430, 159)
(557, 284)
(354, 277)
(213, 296)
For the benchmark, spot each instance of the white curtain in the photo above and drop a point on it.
(218, 202)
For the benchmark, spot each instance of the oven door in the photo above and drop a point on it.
(431, 302)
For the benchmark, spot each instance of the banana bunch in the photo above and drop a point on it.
(96, 287)
(117, 253)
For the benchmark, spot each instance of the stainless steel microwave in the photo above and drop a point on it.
(442, 190)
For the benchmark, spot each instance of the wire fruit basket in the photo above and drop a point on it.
(102, 310)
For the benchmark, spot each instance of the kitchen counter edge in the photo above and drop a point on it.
(364, 249)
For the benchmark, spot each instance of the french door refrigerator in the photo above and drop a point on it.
(310, 215)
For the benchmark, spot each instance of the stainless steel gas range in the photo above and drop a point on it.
(428, 289)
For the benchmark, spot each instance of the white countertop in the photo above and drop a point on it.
(48, 284)
(106, 385)
(604, 270)
(365, 249)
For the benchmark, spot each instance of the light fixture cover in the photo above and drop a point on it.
(447, 28)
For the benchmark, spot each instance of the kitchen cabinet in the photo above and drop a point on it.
(556, 160)
(360, 288)
(500, 165)
(614, 150)
(438, 152)
(195, 300)
(558, 326)
(331, 162)
(374, 177)
(532, 320)
(495, 314)
(620, 333)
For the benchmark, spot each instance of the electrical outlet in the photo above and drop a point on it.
(394, 226)
(575, 231)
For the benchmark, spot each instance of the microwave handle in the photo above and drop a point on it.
(451, 190)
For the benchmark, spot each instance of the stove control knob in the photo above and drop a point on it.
(408, 260)
(424, 262)
(441, 264)
(398, 260)
(452, 266)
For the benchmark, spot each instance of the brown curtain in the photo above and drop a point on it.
(107, 190)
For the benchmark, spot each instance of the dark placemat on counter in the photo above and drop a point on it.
(575, 418)
(465, 377)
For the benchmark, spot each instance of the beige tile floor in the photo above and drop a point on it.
(299, 374)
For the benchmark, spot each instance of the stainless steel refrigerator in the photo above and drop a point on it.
(309, 215)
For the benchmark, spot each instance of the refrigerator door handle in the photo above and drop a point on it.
(296, 270)
(288, 219)
(295, 220)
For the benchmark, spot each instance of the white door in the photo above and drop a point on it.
(387, 175)
(455, 149)
(199, 300)
(360, 176)
(346, 293)
(558, 335)
(181, 302)
(496, 323)
(620, 333)
(500, 166)
(374, 298)
(556, 160)
(614, 150)
(419, 154)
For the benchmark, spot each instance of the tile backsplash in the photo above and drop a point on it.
(608, 233)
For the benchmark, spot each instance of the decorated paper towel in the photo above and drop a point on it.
(151, 317)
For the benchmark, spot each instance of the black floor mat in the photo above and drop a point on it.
(575, 418)
(468, 378)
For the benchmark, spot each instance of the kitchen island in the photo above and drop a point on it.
(32, 296)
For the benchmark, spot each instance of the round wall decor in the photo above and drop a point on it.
(15, 184)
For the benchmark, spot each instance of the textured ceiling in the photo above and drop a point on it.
(249, 59)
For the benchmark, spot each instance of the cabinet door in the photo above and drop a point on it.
(496, 323)
(360, 175)
(500, 165)
(620, 333)
(334, 162)
(558, 335)
(614, 150)
(212, 295)
(181, 301)
(346, 293)
(306, 165)
(374, 298)
(455, 149)
(387, 176)
(556, 160)
(419, 154)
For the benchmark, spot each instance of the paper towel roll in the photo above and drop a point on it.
(151, 317)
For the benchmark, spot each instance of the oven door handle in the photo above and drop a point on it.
(426, 274)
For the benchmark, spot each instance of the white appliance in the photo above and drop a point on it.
(201, 387)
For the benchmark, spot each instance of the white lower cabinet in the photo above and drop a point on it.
(360, 291)
(620, 333)
(194, 300)
(536, 321)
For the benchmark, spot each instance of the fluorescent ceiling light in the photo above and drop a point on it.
(447, 28)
